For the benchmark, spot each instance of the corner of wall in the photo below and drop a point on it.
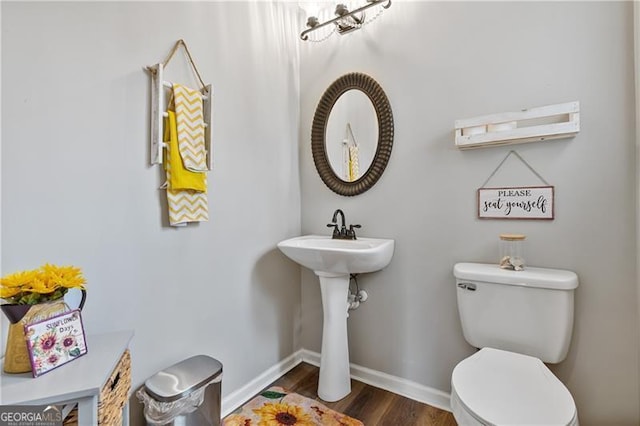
(636, 44)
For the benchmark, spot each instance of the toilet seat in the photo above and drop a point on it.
(505, 388)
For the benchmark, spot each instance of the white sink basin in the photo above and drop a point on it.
(324, 254)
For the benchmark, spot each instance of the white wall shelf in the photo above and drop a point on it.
(529, 125)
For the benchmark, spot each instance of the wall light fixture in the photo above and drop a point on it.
(345, 21)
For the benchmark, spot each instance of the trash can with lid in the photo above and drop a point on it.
(185, 394)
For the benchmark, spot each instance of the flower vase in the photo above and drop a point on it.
(16, 358)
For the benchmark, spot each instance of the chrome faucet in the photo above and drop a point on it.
(342, 233)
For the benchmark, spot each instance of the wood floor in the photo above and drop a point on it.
(371, 405)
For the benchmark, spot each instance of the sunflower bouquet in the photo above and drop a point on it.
(47, 283)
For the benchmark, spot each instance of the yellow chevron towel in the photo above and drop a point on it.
(351, 155)
(185, 205)
(354, 164)
(190, 123)
(179, 178)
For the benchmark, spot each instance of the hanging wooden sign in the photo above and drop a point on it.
(516, 202)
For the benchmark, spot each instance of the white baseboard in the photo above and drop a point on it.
(235, 400)
(407, 388)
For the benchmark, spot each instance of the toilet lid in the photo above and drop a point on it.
(500, 387)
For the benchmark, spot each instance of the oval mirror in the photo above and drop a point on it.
(352, 134)
(351, 138)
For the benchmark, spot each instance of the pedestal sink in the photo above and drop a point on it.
(333, 260)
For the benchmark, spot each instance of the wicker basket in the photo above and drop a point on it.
(72, 418)
(113, 396)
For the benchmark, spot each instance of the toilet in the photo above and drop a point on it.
(519, 320)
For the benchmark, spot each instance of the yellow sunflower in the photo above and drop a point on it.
(62, 276)
(7, 292)
(236, 420)
(19, 279)
(49, 282)
(15, 283)
(283, 414)
(38, 285)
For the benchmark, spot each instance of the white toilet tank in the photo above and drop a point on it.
(528, 312)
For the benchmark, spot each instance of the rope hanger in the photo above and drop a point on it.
(522, 160)
(182, 43)
(159, 95)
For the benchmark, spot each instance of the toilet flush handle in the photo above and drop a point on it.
(467, 286)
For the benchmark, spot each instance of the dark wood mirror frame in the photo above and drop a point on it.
(384, 115)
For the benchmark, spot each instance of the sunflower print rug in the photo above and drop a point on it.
(278, 407)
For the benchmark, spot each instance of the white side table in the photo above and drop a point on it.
(79, 381)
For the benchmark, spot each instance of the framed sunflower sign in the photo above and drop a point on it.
(55, 341)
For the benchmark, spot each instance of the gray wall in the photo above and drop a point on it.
(77, 187)
(439, 62)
